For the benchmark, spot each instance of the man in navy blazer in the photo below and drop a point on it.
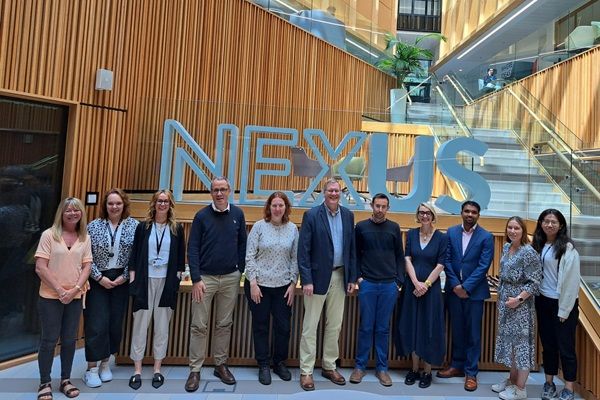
(327, 264)
(470, 254)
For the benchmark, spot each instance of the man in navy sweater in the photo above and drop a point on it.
(216, 256)
(380, 260)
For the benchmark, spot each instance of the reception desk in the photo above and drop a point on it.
(242, 350)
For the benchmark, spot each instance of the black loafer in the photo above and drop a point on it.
(264, 375)
(157, 380)
(135, 382)
(411, 377)
(282, 371)
(425, 380)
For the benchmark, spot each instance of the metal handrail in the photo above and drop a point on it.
(575, 171)
(409, 92)
(460, 89)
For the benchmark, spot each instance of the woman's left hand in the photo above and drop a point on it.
(512, 302)
(289, 294)
(68, 295)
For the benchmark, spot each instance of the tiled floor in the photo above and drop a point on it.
(20, 383)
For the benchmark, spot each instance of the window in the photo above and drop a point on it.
(32, 142)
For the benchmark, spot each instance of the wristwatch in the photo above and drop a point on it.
(520, 299)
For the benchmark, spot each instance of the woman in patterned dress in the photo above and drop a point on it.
(271, 276)
(111, 236)
(520, 276)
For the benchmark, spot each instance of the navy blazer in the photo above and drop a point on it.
(315, 248)
(469, 269)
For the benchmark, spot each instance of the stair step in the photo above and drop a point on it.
(512, 177)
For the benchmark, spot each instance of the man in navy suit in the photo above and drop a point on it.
(327, 264)
(470, 253)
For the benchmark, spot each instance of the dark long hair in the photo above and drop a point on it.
(562, 236)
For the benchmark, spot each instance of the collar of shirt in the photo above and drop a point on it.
(332, 213)
(470, 232)
(217, 210)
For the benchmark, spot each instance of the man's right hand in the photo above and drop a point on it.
(198, 290)
(460, 292)
(308, 289)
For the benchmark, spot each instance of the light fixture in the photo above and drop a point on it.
(496, 29)
(286, 5)
(352, 42)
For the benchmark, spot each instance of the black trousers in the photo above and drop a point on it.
(103, 318)
(57, 320)
(272, 303)
(558, 338)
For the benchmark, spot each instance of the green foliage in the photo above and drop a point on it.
(404, 58)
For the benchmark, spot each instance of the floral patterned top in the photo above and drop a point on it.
(271, 254)
(97, 229)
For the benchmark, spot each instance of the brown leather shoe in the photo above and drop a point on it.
(307, 383)
(471, 383)
(357, 375)
(223, 373)
(334, 376)
(193, 382)
(384, 378)
(450, 373)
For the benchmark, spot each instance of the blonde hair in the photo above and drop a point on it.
(151, 214)
(430, 208)
(57, 226)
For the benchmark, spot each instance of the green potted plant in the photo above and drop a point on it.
(401, 60)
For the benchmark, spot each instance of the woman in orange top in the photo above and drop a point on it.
(62, 261)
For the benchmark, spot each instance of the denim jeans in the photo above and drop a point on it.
(57, 320)
(376, 303)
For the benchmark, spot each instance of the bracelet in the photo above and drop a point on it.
(428, 283)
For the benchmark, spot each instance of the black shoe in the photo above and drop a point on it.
(135, 382)
(264, 375)
(157, 380)
(411, 377)
(425, 380)
(282, 371)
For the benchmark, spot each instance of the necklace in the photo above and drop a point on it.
(426, 235)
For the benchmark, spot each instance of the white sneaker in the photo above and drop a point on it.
(91, 378)
(513, 393)
(499, 387)
(105, 372)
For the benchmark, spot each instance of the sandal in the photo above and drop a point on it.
(44, 394)
(157, 380)
(135, 382)
(68, 389)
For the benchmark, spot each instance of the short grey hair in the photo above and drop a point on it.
(220, 178)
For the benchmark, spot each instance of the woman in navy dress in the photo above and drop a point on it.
(421, 329)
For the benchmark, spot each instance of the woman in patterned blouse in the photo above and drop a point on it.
(520, 276)
(271, 276)
(112, 238)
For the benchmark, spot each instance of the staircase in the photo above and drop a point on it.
(518, 185)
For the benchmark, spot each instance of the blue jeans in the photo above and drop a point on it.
(376, 303)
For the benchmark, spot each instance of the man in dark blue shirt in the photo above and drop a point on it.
(216, 256)
(380, 260)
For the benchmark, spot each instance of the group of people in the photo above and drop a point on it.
(98, 266)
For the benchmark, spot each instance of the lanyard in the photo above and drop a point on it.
(162, 236)
(544, 253)
(112, 235)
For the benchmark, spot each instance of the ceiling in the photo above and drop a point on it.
(535, 16)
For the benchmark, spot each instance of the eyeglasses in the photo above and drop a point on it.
(425, 213)
(162, 202)
(220, 190)
(550, 223)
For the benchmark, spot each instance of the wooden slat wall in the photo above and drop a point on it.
(201, 62)
(470, 16)
(569, 90)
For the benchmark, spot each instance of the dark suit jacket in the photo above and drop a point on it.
(138, 262)
(474, 264)
(315, 248)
